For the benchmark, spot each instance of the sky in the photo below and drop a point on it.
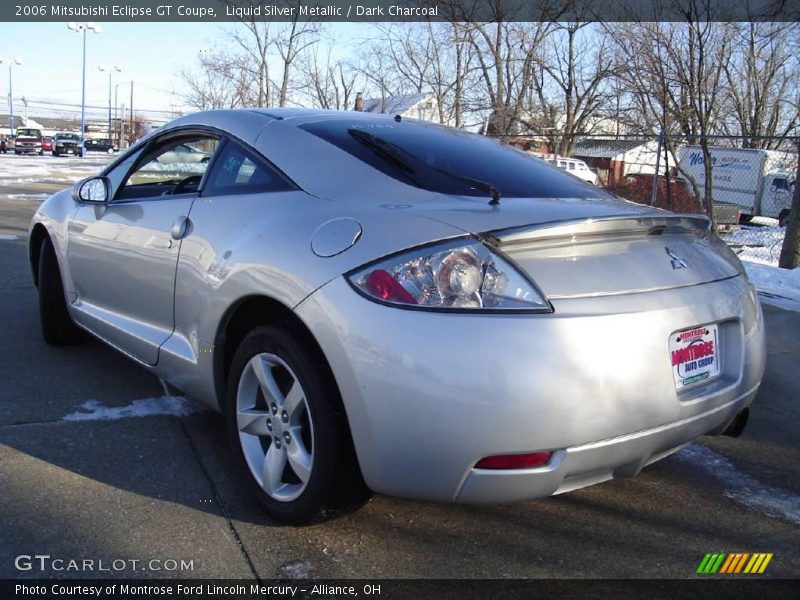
(150, 54)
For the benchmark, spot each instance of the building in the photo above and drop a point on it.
(412, 106)
(615, 159)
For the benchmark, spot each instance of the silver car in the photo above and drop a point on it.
(388, 305)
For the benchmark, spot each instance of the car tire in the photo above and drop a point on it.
(58, 329)
(298, 428)
(783, 217)
(55, 153)
(743, 218)
(41, 152)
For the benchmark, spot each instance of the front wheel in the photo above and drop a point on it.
(286, 427)
(58, 328)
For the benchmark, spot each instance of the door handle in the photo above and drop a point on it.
(179, 228)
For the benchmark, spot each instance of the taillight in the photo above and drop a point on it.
(460, 275)
(382, 285)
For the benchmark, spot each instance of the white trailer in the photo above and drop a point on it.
(761, 182)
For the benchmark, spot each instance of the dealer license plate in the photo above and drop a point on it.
(695, 355)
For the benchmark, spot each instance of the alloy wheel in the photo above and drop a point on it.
(275, 426)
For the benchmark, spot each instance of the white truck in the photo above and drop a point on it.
(761, 182)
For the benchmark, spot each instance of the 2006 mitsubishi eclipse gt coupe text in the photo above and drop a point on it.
(383, 304)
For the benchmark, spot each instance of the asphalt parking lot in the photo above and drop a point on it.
(162, 487)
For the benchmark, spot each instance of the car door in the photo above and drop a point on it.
(122, 254)
(248, 214)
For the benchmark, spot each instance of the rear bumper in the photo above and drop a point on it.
(428, 395)
(588, 464)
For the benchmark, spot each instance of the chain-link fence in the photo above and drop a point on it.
(750, 189)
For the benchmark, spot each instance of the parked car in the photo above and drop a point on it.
(9, 143)
(184, 153)
(66, 143)
(47, 144)
(391, 305)
(574, 166)
(28, 141)
(101, 145)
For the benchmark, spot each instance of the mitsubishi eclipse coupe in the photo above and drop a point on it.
(379, 304)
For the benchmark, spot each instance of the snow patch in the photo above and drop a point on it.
(742, 488)
(760, 241)
(29, 122)
(296, 569)
(176, 406)
(7, 238)
(775, 285)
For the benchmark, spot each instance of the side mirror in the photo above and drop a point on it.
(95, 189)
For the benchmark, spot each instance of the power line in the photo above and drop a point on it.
(58, 105)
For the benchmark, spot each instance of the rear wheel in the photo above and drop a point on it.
(287, 430)
(58, 328)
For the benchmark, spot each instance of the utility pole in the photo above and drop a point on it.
(81, 29)
(116, 117)
(130, 129)
(122, 128)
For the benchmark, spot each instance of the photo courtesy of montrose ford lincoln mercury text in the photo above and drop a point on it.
(380, 304)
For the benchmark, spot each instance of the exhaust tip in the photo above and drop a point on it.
(738, 424)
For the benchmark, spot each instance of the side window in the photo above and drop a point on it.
(571, 166)
(779, 183)
(238, 171)
(118, 172)
(174, 167)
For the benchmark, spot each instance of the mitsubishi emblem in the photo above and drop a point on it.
(677, 262)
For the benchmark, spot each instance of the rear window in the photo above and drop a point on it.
(439, 159)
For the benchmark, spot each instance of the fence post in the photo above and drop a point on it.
(654, 195)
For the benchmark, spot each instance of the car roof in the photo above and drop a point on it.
(290, 116)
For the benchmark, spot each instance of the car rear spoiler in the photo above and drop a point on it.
(615, 226)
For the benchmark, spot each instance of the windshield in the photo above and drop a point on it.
(67, 136)
(449, 161)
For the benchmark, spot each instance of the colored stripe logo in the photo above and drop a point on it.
(734, 563)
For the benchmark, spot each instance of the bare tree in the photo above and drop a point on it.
(296, 38)
(328, 83)
(571, 86)
(790, 252)
(761, 80)
(421, 58)
(253, 41)
(216, 82)
(676, 78)
(506, 55)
